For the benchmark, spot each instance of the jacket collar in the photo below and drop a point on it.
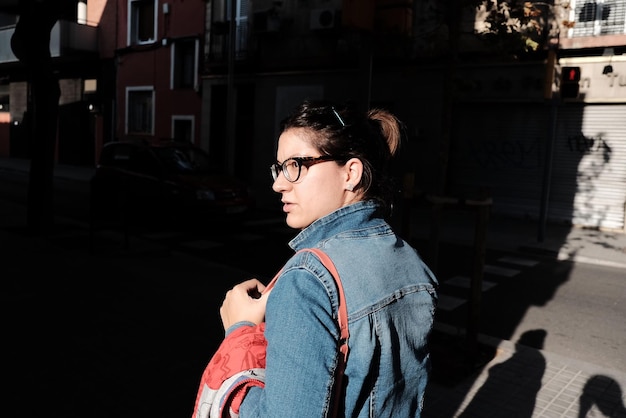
(342, 219)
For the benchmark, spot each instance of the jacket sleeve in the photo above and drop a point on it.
(302, 353)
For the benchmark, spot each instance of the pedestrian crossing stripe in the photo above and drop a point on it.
(501, 271)
(449, 303)
(201, 244)
(465, 282)
(525, 262)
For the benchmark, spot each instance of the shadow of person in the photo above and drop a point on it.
(511, 386)
(603, 392)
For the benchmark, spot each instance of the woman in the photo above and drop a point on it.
(331, 172)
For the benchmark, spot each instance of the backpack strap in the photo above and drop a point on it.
(342, 320)
(342, 315)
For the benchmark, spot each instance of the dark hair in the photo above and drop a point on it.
(340, 130)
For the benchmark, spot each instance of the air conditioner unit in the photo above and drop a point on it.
(322, 19)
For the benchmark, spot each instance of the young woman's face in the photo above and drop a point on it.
(321, 188)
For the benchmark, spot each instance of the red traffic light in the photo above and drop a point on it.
(569, 87)
(570, 74)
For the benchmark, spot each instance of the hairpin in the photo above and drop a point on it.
(338, 117)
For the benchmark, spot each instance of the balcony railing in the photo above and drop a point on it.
(220, 42)
(601, 18)
(66, 38)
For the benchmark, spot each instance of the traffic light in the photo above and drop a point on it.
(570, 76)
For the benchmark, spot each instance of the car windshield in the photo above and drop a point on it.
(184, 160)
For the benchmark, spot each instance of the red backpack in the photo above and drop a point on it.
(239, 362)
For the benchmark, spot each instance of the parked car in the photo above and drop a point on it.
(139, 181)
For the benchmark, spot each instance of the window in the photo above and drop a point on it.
(241, 21)
(140, 110)
(141, 21)
(182, 128)
(223, 14)
(220, 29)
(184, 64)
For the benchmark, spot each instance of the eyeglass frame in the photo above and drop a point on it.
(277, 167)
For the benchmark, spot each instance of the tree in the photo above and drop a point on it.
(31, 45)
(513, 29)
(516, 28)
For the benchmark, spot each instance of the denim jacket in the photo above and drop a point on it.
(391, 297)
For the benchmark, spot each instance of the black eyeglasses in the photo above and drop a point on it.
(292, 167)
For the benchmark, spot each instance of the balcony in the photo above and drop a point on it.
(66, 39)
(597, 25)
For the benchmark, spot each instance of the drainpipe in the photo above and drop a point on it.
(230, 90)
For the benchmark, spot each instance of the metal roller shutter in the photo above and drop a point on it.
(500, 147)
(589, 175)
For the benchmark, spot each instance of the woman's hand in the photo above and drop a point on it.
(244, 302)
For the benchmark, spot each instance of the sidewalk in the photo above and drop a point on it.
(120, 331)
(515, 380)
(525, 382)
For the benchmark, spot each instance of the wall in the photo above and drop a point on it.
(596, 87)
(502, 131)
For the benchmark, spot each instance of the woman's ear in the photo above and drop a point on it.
(354, 171)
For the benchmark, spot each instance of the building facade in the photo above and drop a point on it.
(476, 122)
(127, 69)
(509, 131)
(157, 56)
